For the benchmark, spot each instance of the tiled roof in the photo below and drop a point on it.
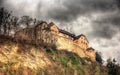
(77, 37)
(67, 33)
(90, 48)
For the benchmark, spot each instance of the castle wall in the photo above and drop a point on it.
(36, 36)
(64, 43)
(79, 51)
(54, 29)
(91, 54)
(82, 42)
(51, 37)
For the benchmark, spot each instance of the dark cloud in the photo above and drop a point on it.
(73, 9)
(113, 20)
(67, 10)
(118, 3)
(103, 31)
(107, 26)
(1, 2)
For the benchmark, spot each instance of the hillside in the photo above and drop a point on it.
(44, 49)
(50, 35)
(17, 58)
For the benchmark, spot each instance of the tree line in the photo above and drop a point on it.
(9, 24)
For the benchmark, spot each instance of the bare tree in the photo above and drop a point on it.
(1, 17)
(4, 20)
(26, 20)
(15, 23)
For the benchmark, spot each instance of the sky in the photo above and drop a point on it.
(99, 20)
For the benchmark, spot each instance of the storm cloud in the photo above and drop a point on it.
(1, 2)
(74, 9)
(67, 11)
(99, 20)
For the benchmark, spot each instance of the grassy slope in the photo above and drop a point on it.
(26, 59)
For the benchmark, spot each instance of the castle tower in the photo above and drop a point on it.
(81, 41)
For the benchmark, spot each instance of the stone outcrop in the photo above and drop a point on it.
(51, 35)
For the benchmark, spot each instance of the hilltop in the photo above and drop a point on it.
(18, 58)
(46, 50)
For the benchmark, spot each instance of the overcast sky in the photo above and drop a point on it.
(99, 20)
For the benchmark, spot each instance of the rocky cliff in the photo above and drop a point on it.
(19, 58)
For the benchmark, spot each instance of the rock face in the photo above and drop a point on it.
(50, 35)
(31, 57)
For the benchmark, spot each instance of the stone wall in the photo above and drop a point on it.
(82, 42)
(91, 55)
(39, 35)
(65, 43)
(42, 35)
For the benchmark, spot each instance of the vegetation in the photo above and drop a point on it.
(63, 62)
(99, 58)
(75, 64)
(10, 23)
(113, 68)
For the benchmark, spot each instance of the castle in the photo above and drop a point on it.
(51, 35)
